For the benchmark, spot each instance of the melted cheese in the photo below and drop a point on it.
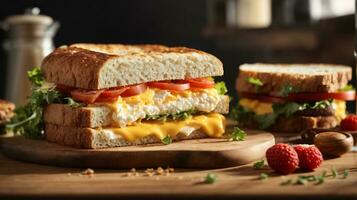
(211, 124)
(258, 107)
(261, 108)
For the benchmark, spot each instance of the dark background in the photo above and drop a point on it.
(188, 23)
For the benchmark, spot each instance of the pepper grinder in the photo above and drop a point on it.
(29, 39)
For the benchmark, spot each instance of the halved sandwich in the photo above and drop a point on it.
(292, 97)
(119, 95)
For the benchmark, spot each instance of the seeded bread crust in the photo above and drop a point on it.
(302, 77)
(94, 139)
(92, 117)
(98, 66)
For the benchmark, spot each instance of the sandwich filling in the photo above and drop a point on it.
(156, 103)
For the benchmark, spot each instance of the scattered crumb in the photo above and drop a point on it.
(88, 171)
(180, 178)
(133, 170)
(69, 174)
(160, 171)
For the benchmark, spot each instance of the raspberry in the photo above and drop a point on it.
(282, 158)
(349, 123)
(310, 156)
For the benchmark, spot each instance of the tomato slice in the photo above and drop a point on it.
(170, 86)
(302, 97)
(134, 90)
(113, 92)
(345, 96)
(200, 83)
(106, 99)
(86, 96)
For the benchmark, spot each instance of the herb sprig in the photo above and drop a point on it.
(237, 134)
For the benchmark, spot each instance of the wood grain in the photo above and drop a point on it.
(199, 153)
(28, 181)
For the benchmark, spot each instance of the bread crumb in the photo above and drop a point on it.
(160, 171)
(133, 170)
(69, 174)
(180, 178)
(88, 171)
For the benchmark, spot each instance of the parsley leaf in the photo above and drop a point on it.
(167, 140)
(71, 102)
(238, 134)
(346, 173)
(259, 164)
(347, 88)
(35, 76)
(221, 88)
(183, 115)
(334, 172)
(263, 176)
(255, 81)
(210, 178)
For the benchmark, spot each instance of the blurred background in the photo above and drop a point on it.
(236, 31)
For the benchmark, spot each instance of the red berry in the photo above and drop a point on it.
(282, 158)
(310, 156)
(349, 123)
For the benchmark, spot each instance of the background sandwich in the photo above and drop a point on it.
(98, 96)
(291, 98)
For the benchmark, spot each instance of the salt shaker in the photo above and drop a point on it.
(29, 40)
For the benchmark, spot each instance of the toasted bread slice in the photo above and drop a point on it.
(97, 138)
(301, 77)
(297, 124)
(100, 116)
(94, 66)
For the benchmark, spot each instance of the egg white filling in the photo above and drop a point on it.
(156, 102)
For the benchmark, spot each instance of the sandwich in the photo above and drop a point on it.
(292, 97)
(99, 96)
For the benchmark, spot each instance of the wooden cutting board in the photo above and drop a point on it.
(199, 153)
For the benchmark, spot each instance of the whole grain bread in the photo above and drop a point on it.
(96, 116)
(97, 138)
(97, 66)
(301, 77)
(296, 124)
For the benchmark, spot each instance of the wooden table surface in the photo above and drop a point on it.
(32, 181)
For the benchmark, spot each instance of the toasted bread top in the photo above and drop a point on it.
(97, 66)
(301, 77)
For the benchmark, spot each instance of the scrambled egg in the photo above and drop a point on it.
(155, 102)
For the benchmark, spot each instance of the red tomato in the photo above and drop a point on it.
(169, 86)
(134, 90)
(349, 123)
(106, 99)
(345, 96)
(64, 89)
(200, 83)
(113, 92)
(86, 96)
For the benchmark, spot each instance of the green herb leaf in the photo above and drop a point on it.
(258, 164)
(210, 178)
(287, 182)
(35, 76)
(221, 88)
(320, 180)
(238, 134)
(324, 173)
(346, 173)
(183, 115)
(347, 88)
(334, 172)
(167, 140)
(301, 181)
(263, 176)
(71, 102)
(255, 81)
